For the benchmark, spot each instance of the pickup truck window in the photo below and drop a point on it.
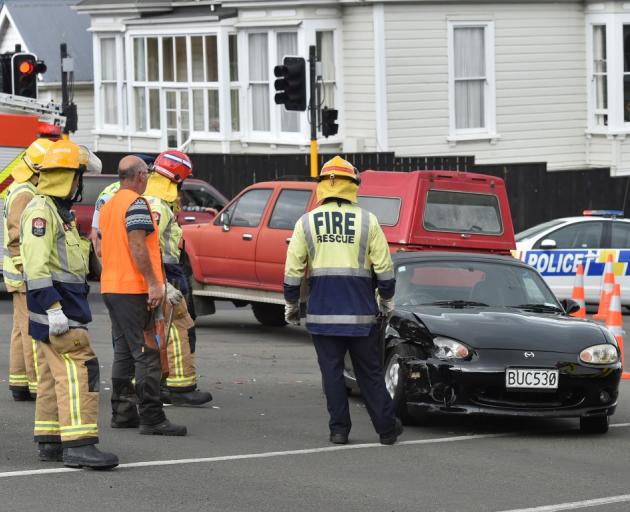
(462, 212)
(289, 207)
(247, 210)
(200, 197)
(386, 209)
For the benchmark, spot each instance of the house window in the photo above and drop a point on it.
(146, 75)
(286, 43)
(471, 78)
(109, 83)
(259, 81)
(326, 54)
(600, 75)
(235, 86)
(626, 72)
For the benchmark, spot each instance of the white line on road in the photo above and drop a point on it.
(576, 504)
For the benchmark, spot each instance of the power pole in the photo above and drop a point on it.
(313, 107)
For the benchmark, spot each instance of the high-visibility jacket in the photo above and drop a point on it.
(18, 197)
(106, 194)
(170, 231)
(54, 265)
(347, 257)
(120, 273)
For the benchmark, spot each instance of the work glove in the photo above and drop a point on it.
(385, 306)
(292, 313)
(57, 322)
(173, 295)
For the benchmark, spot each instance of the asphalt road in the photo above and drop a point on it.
(262, 446)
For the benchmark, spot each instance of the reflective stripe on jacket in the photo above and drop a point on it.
(54, 265)
(347, 257)
(18, 197)
(106, 194)
(170, 231)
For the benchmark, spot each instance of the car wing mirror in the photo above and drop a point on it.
(225, 221)
(548, 243)
(570, 306)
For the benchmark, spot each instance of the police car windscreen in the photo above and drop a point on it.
(386, 209)
(463, 212)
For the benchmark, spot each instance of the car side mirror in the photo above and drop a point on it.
(570, 306)
(225, 220)
(548, 243)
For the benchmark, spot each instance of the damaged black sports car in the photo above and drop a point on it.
(484, 334)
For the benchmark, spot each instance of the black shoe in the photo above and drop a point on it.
(166, 428)
(339, 438)
(21, 395)
(191, 398)
(391, 437)
(125, 424)
(50, 452)
(88, 456)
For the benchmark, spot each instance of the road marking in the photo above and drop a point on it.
(263, 455)
(575, 504)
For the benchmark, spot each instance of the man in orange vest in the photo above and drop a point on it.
(133, 286)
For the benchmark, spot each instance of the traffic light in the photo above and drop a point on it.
(329, 126)
(24, 67)
(291, 83)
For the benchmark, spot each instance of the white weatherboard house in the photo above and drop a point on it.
(506, 81)
(40, 26)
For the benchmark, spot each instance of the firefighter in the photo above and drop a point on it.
(106, 194)
(22, 359)
(55, 267)
(347, 257)
(169, 170)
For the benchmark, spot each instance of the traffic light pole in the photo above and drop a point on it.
(312, 60)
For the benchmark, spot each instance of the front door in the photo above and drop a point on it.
(177, 117)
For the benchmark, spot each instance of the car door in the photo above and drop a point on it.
(580, 242)
(227, 255)
(620, 244)
(271, 250)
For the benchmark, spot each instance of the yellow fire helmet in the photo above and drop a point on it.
(162, 187)
(338, 178)
(31, 160)
(62, 160)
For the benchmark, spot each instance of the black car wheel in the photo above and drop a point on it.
(270, 315)
(594, 424)
(393, 379)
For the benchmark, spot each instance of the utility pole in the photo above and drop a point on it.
(313, 107)
(69, 108)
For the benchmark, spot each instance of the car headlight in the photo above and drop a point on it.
(599, 354)
(446, 348)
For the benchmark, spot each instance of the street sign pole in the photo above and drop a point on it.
(312, 60)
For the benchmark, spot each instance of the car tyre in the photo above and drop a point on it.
(594, 424)
(393, 379)
(270, 315)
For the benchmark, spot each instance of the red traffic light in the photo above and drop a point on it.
(26, 67)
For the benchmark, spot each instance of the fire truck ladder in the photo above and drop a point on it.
(47, 112)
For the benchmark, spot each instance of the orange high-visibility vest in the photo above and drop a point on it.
(120, 273)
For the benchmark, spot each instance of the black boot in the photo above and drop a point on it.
(166, 428)
(190, 398)
(88, 456)
(391, 437)
(22, 395)
(50, 452)
(134, 423)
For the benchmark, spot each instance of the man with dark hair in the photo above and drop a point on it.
(133, 287)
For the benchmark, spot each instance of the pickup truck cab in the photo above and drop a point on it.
(240, 256)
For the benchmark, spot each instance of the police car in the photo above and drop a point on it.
(555, 248)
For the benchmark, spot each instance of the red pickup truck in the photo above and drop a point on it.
(240, 256)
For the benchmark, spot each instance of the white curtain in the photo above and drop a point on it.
(138, 59)
(259, 81)
(326, 51)
(198, 110)
(470, 77)
(599, 66)
(287, 45)
(108, 81)
(139, 96)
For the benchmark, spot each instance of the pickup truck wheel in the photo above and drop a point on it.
(271, 315)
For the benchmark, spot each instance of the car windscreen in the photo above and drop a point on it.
(493, 284)
(538, 228)
(386, 209)
(462, 212)
(93, 186)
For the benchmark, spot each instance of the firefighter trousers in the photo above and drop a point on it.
(23, 354)
(66, 410)
(182, 373)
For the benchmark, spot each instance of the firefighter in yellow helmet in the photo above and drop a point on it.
(169, 170)
(347, 257)
(22, 359)
(55, 268)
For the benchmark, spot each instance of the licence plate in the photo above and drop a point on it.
(527, 378)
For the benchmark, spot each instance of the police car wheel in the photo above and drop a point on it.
(270, 315)
(394, 379)
(594, 424)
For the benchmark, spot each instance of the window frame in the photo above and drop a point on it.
(99, 112)
(489, 130)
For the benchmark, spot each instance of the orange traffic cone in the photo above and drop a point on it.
(608, 285)
(614, 323)
(578, 292)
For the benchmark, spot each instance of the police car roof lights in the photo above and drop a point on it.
(603, 213)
